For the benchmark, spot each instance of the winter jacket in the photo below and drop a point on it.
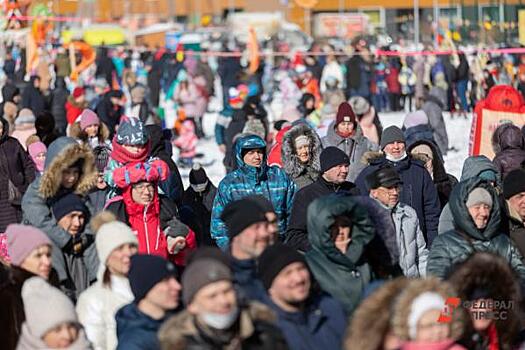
(151, 223)
(74, 109)
(40, 195)
(509, 146)
(344, 276)
(108, 113)
(302, 174)
(188, 100)
(231, 134)
(15, 166)
(321, 325)
(62, 66)
(256, 331)
(246, 280)
(275, 153)
(457, 245)
(297, 236)
(418, 190)
(33, 99)
(358, 75)
(187, 140)
(96, 309)
(434, 105)
(270, 182)
(421, 132)
(22, 132)
(515, 227)
(334, 70)
(136, 330)
(29, 342)
(413, 252)
(9, 91)
(354, 146)
(472, 168)
(444, 182)
(200, 205)
(105, 66)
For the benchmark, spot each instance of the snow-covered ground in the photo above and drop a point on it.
(458, 132)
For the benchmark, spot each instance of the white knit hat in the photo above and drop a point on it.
(110, 236)
(45, 306)
(422, 303)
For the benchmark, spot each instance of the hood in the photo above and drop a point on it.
(61, 154)
(475, 165)
(416, 133)
(292, 166)
(157, 141)
(507, 136)
(462, 219)
(248, 142)
(440, 173)
(9, 91)
(321, 216)
(131, 319)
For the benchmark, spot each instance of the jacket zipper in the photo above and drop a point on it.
(146, 228)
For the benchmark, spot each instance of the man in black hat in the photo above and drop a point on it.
(334, 171)
(418, 191)
(385, 186)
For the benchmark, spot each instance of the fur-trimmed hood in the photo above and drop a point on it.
(403, 307)
(372, 157)
(371, 321)
(175, 332)
(76, 132)
(291, 164)
(61, 154)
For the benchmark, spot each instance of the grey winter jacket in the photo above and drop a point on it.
(413, 252)
(355, 146)
(472, 167)
(433, 107)
(302, 174)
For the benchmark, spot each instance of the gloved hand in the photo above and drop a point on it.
(175, 244)
(78, 244)
(176, 228)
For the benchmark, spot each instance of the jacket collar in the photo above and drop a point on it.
(311, 315)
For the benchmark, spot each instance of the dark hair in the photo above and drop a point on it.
(106, 279)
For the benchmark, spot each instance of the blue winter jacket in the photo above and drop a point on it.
(320, 326)
(268, 181)
(136, 330)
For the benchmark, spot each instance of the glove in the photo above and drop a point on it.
(175, 244)
(176, 228)
(78, 244)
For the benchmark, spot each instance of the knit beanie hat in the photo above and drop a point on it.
(78, 91)
(359, 104)
(22, 240)
(25, 116)
(102, 153)
(514, 183)
(274, 259)
(390, 135)
(131, 132)
(415, 118)
(112, 235)
(146, 271)
(198, 178)
(87, 118)
(201, 273)
(34, 150)
(422, 303)
(332, 156)
(301, 140)
(479, 195)
(240, 214)
(345, 113)
(67, 204)
(45, 307)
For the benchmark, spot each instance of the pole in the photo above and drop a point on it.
(416, 23)
(435, 8)
(307, 21)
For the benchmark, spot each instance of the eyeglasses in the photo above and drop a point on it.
(144, 187)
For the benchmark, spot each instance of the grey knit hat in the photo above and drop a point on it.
(479, 195)
(391, 135)
(201, 273)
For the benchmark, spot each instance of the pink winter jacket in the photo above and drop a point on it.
(187, 140)
(22, 132)
(448, 344)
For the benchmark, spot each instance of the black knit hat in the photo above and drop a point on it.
(67, 204)
(274, 259)
(383, 177)
(146, 271)
(514, 183)
(332, 156)
(198, 175)
(390, 135)
(241, 214)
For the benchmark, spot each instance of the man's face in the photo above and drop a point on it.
(73, 222)
(217, 298)
(388, 196)
(480, 214)
(165, 294)
(254, 157)
(336, 174)
(254, 239)
(517, 202)
(395, 149)
(292, 285)
(143, 193)
(70, 177)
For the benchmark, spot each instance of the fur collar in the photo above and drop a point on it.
(50, 182)
(291, 164)
(371, 157)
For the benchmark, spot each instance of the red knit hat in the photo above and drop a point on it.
(78, 91)
(345, 113)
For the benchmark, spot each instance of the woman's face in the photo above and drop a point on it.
(119, 260)
(92, 130)
(479, 322)
(429, 330)
(135, 149)
(62, 336)
(39, 261)
(310, 104)
(303, 153)
(70, 177)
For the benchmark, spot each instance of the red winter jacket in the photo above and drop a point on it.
(274, 156)
(73, 110)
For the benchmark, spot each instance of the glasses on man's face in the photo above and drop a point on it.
(144, 187)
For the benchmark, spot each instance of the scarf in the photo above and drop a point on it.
(394, 160)
(121, 155)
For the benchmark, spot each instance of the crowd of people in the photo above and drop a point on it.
(327, 232)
